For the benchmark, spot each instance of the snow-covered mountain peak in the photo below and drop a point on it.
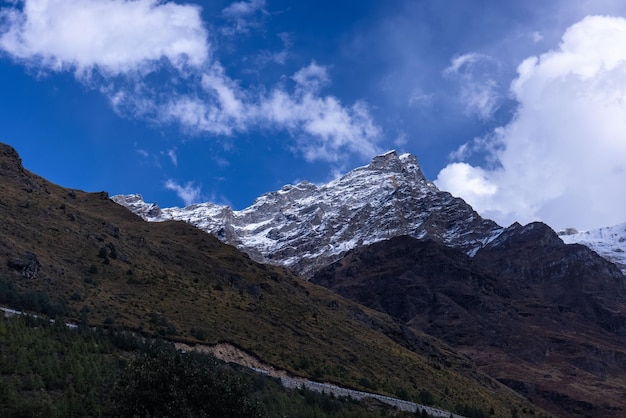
(136, 204)
(305, 226)
(392, 163)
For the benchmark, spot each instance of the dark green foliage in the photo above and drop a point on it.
(426, 397)
(303, 403)
(471, 412)
(198, 333)
(162, 325)
(84, 318)
(103, 253)
(166, 382)
(47, 370)
(31, 300)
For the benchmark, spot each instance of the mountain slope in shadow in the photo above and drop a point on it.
(547, 319)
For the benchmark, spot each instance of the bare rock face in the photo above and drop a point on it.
(27, 265)
(571, 276)
(135, 203)
(305, 227)
(11, 167)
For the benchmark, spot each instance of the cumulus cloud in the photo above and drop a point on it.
(476, 75)
(153, 61)
(188, 193)
(113, 36)
(562, 158)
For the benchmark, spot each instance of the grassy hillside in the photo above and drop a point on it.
(109, 268)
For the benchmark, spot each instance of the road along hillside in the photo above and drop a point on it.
(231, 354)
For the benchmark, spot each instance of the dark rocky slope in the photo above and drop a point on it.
(547, 319)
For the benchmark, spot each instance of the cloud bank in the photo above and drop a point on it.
(562, 158)
(153, 60)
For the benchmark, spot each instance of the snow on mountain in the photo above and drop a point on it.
(305, 226)
(609, 242)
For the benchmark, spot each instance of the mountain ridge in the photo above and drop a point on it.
(299, 226)
(304, 226)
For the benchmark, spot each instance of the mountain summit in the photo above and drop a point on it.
(305, 226)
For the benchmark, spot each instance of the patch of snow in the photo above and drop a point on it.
(608, 242)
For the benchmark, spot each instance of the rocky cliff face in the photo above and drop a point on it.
(305, 226)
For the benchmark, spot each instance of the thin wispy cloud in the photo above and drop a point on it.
(188, 193)
(419, 98)
(566, 145)
(143, 153)
(477, 76)
(243, 16)
(173, 157)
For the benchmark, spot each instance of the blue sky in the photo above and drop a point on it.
(519, 107)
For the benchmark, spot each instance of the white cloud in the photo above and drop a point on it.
(243, 16)
(401, 140)
(323, 127)
(419, 98)
(311, 78)
(330, 128)
(118, 46)
(173, 157)
(562, 159)
(188, 193)
(113, 36)
(478, 85)
(470, 182)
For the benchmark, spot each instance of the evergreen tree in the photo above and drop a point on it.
(165, 382)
